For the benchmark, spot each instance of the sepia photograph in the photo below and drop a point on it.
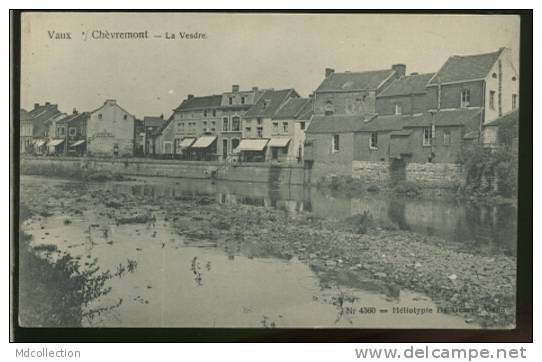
(267, 170)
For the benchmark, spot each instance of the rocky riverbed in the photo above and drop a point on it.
(353, 252)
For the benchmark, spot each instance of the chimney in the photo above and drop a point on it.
(47, 103)
(110, 102)
(235, 88)
(414, 73)
(75, 110)
(36, 105)
(190, 96)
(254, 89)
(400, 70)
(329, 71)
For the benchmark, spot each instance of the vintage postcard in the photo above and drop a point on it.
(261, 170)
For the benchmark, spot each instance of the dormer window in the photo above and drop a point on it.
(465, 98)
(397, 108)
(494, 75)
(266, 103)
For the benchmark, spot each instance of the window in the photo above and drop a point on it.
(266, 103)
(125, 117)
(259, 131)
(446, 137)
(302, 125)
(397, 108)
(260, 121)
(243, 100)
(514, 101)
(513, 79)
(230, 100)
(335, 143)
(494, 75)
(235, 124)
(204, 123)
(492, 99)
(225, 122)
(72, 131)
(465, 98)
(99, 116)
(427, 136)
(205, 113)
(285, 126)
(214, 112)
(328, 108)
(213, 123)
(275, 127)
(61, 131)
(248, 130)
(373, 141)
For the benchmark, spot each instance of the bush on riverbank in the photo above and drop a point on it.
(82, 174)
(54, 290)
(489, 172)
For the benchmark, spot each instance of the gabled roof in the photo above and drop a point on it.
(270, 102)
(464, 68)
(350, 81)
(411, 84)
(454, 117)
(150, 121)
(74, 117)
(291, 108)
(469, 118)
(198, 103)
(338, 123)
(40, 117)
(508, 118)
(307, 111)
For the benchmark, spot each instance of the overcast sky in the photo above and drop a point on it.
(152, 76)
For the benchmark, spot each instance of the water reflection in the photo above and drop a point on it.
(491, 226)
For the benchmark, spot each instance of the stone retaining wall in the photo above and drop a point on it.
(428, 175)
(246, 172)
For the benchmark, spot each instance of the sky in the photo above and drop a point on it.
(152, 76)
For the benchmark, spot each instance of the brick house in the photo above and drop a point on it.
(288, 130)
(110, 131)
(71, 130)
(233, 108)
(488, 81)
(342, 104)
(257, 125)
(37, 127)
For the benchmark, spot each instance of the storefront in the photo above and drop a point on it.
(252, 150)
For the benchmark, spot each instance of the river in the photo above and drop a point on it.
(179, 284)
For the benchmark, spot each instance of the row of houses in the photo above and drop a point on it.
(377, 116)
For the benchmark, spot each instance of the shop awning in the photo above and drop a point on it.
(39, 143)
(55, 143)
(203, 142)
(77, 143)
(252, 145)
(279, 142)
(186, 142)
